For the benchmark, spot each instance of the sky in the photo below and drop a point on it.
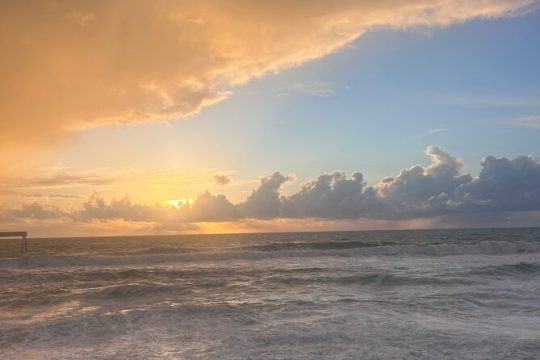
(239, 116)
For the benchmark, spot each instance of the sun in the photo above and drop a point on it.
(179, 203)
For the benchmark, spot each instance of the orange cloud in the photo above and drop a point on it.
(68, 65)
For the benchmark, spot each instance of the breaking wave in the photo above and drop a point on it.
(350, 249)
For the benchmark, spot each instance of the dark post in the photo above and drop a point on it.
(24, 245)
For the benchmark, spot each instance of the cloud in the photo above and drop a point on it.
(504, 185)
(222, 180)
(70, 65)
(532, 121)
(441, 188)
(433, 132)
(208, 207)
(96, 208)
(58, 179)
(423, 191)
(264, 202)
(486, 101)
(506, 191)
(59, 196)
(143, 184)
(315, 88)
(65, 179)
(331, 196)
(31, 211)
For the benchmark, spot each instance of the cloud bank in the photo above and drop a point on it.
(440, 189)
(74, 64)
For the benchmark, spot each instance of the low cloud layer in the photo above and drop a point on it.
(438, 190)
(69, 64)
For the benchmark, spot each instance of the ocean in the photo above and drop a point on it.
(426, 294)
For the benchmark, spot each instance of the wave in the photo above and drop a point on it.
(273, 251)
(373, 279)
(519, 269)
(322, 245)
(97, 325)
(127, 290)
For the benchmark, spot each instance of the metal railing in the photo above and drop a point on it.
(21, 234)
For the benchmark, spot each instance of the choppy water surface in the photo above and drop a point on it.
(433, 294)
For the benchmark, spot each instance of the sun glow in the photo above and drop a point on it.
(179, 203)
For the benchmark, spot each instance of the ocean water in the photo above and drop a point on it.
(431, 294)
